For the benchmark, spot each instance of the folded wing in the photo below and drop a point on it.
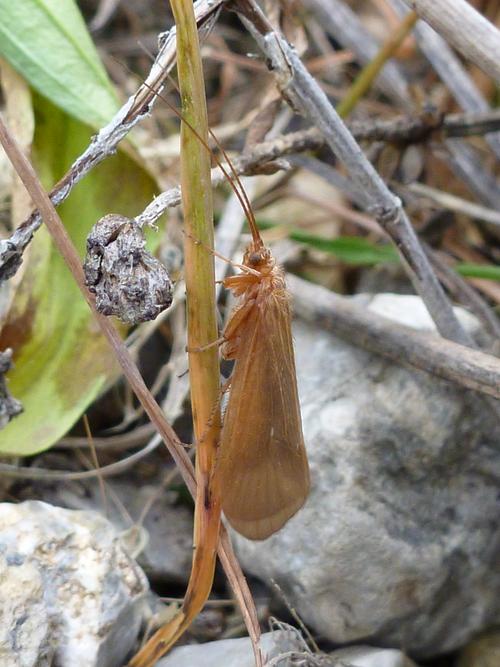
(262, 461)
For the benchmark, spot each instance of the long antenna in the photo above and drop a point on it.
(234, 179)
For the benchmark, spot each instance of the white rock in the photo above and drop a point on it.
(230, 652)
(24, 619)
(81, 593)
(411, 311)
(397, 542)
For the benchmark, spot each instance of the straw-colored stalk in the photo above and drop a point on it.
(369, 73)
(202, 330)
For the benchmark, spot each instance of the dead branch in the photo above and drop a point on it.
(470, 369)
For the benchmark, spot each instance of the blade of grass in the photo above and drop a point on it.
(485, 271)
(354, 250)
(370, 72)
(202, 330)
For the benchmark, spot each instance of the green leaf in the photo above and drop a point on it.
(349, 249)
(62, 362)
(48, 43)
(358, 251)
(486, 271)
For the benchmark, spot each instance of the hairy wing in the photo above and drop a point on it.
(262, 460)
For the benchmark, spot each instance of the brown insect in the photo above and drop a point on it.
(262, 463)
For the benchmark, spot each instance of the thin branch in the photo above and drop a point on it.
(454, 203)
(465, 29)
(470, 369)
(116, 468)
(137, 107)
(464, 293)
(304, 94)
(403, 129)
(118, 442)
(417, 128)
(468, 165)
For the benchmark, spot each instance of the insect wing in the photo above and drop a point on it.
(262, 462)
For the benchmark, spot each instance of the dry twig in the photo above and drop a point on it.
(465, 367)
(304, 94)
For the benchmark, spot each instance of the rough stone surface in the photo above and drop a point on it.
(230, 652)
(81, 595)
(24, 620)
(163, 545)
(398, 543)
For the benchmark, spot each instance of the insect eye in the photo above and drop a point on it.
(255, 258)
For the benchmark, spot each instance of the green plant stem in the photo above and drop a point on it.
(202, 329)
(369, 73)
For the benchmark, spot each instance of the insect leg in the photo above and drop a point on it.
(215, 408)
(202, 348)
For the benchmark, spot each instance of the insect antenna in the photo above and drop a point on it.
(232, 177)
(247, 207)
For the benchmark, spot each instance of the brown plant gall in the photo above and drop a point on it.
(127, 280)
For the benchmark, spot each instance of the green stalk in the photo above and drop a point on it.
(369, 73)
(202, 329)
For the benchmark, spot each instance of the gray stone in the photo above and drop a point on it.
(398, 543)
(231, 652)
(81, 593)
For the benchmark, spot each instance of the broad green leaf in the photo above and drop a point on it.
(48, 43)
(61, 360)
(486, 271)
